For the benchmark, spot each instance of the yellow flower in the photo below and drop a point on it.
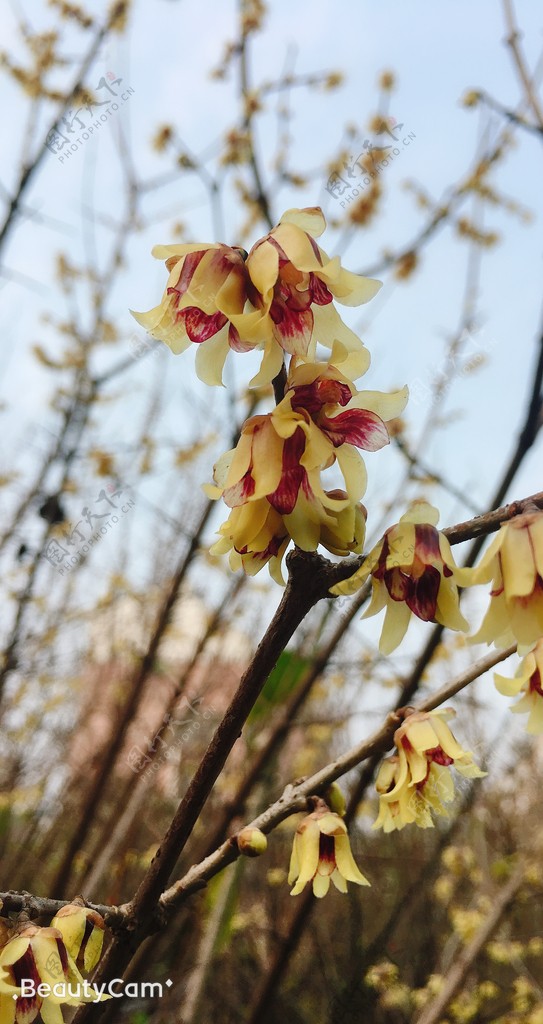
(38, 957)
(83, 932)
(413, 571)
(205, 293)
(280, 457)
(322, 852)
(514, 563)
(528, 681)
(254, 534)
(416, 782)
(279, 299)
(294, 284)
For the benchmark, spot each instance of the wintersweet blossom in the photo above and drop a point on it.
(411, 804)
(514, 563)
(39, 955)
(294, 283)
(528, 680)
(205, 294)
(416, 781)
(277, 299)
(255, 534)
(322, 853)
(82, 930)
(280, 457)
(413, 572)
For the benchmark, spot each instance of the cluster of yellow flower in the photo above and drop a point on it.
(40, 968)
(278, 299)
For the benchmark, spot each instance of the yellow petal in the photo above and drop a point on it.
(272, 363)
(507, 687)
(387, 406)
(345, 861)
(211, 356)
(338, 881)
(307, 852)
(536, 536)
(518, 565)
(330, 824)
(321, 885)
(421, 512)
(394, 627)
(310, 219)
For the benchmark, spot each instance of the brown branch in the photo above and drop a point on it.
(294, 798)
(41, 906)
(309, 576)
(260, 196)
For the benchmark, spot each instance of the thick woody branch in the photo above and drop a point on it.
(41, 906)
(309, 582)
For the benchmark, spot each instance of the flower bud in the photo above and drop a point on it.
(335, 799)
(83, 932)
(251, 842)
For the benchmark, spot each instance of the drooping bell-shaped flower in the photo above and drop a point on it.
(295, 283)
(413, 572)
(514, 563)
(83, 932)
(321, 853)
(38, 957)
(416, 781)
(206, 290)
(279, 299)
(280, 457)
(528, 681)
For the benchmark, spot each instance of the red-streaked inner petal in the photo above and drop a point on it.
(320, 294)
(438, 755)
(422, 600)
(322, 391)
(293, 475)
(199, 325)
(235, 341)
(190, 262)
(427, 543)
(356, 426)
(239, 493)
(397, 584)
(327, 855)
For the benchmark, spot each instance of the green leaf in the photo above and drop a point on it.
(282, 681)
